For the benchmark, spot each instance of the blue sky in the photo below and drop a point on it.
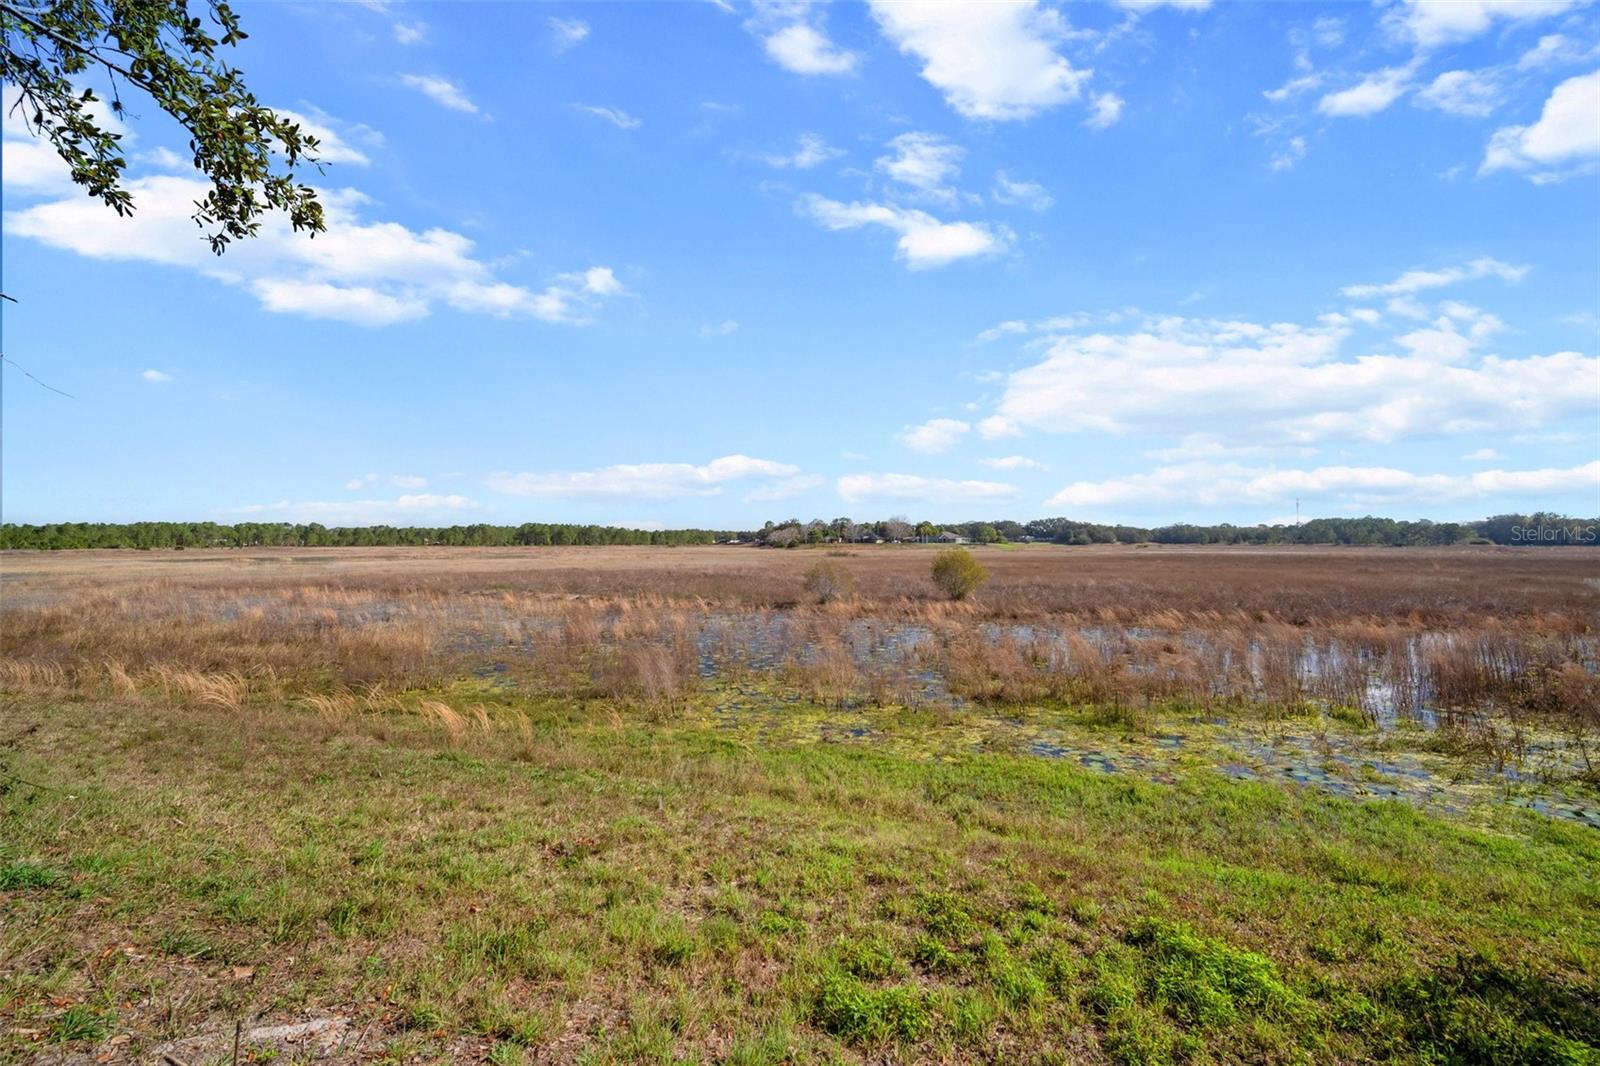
(707, 264)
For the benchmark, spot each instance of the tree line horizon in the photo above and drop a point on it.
(1540, 529)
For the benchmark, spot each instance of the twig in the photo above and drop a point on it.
(36, 381)
(172, 1060)
(238, 1027)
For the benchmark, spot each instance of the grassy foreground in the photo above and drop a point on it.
(578, 882)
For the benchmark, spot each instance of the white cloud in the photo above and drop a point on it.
(992, 60)
(156, 377)
(810, 150)
(726, 328)
(1414, 281)
(1284, 384)
(1329, 31)
(935, 435)
(356, 484)
(333, 137)
(1554, 49)
(409, 508)
(358, 271)
(996, 426)
(441, 91)
(1013, 462)
(410, 32)
(1291, 153)
(1482, 455)
(1468, 93)
(31, 166)
(1430, 23)
(854, 488)
(616, 116)
(923, 240)
(1015, 191)
(1567, 132)
(1207, 484)
(1001, 329)
(357, 304)
(1295, 86)
(164, 158)
(651, 481)
(1105, 110)
(805, 49)
(566, 33)
(408, 481)
(1372, 94)
(924, 161)
(1151, 5)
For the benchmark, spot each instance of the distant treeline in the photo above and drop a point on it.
(1540, 529)
(65, 535)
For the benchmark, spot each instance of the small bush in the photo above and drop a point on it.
(829, 581)
(958, 573)
(852, 1011)
(26, 875)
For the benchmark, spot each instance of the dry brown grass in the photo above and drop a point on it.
(1462, 631)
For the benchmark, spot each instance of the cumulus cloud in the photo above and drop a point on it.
(810, 151)
(1567, 133)
(441, 91)
(1206, 484)
(1430, 23)
(1468, 93)
(726, 328)
(1105, 110)
(990, 60)
(1414, 281)
(410, 32)
(1282, 384)
(1372, 94)
(651, 481)
(156, 377)
(364, 272)
(923, 241)
(925, 161)
(935, 435)
(795, 37)
(855, 488)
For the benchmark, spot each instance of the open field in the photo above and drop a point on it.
(634, 804)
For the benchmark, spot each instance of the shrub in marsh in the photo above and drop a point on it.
(829, 581)
(958, 573)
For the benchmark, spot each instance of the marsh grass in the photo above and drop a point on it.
(521, 879)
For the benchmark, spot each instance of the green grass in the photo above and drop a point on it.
(624, 888)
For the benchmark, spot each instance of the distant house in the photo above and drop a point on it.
(948, 537)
